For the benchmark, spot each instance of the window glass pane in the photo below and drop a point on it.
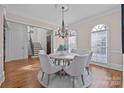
(69, 43)
(72, 40)
(58, 42)
(98, 43)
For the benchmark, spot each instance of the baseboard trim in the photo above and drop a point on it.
(110, 66)
(26, 59)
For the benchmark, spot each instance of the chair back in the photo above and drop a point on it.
(80, 51)
(76, 68)
(74, 51)
(42, 52)
(45, 62)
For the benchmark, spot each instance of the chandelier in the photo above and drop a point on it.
(62, 31)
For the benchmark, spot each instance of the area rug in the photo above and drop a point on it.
(56, 81)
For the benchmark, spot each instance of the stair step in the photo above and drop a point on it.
(36, 52)
(37, 49)
(34, 56)
(37, 45)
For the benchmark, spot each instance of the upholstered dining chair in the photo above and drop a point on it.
(42, 52)
(47, 66)
(80, 51)
(76, 68)
(74, 51)
(84, 52)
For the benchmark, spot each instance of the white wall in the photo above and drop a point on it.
(1, 46)
(29, 21)
(16, 41)
(43, 39)
(113, 20)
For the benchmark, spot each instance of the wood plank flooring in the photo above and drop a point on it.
(23, 74)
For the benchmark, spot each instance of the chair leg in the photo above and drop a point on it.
(48, 79)
(68, 63)
(60, 74)
(87, 68)
(42, 75)
(82, 78)
(73, 82)
(55, 61)
(58, 62)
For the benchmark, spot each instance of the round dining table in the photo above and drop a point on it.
(64, 58)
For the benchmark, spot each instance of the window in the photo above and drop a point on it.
(72, 40)
(68, 43)
(99, 43)
(58, 42)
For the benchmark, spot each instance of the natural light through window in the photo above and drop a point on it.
(72, 40)
(68, 43)
(99, 43)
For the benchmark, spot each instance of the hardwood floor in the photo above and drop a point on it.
(106, 78)
(23, 74)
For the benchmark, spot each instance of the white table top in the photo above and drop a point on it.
(63, 56)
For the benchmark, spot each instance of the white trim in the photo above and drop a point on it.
(106, 13)
(106, 33)
(110, 65)
(115, 51)
(29, 21)
(3, 78)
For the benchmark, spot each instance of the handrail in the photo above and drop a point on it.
(31, 45)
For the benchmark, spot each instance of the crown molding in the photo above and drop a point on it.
(105, 13)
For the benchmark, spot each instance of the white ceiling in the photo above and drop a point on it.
(48, 12)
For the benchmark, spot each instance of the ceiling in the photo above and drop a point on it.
(48, 12)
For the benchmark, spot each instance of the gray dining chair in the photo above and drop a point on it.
(42, 52)
(80, 51)
(84, 52)
(77, 68)
(47, 65)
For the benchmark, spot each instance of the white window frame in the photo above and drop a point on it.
(75, 40)
(106, 42)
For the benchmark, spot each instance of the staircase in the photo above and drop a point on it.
(36, 47)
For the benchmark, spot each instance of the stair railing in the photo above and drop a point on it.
(31, 45)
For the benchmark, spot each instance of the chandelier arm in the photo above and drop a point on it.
(63, 30)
